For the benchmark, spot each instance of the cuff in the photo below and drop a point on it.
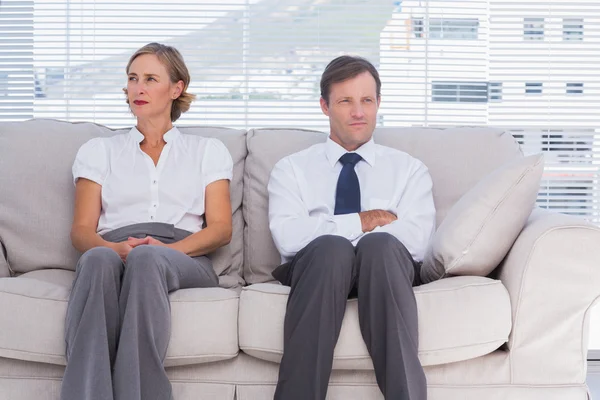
(348, 225)
(92, 176)
(217, 176)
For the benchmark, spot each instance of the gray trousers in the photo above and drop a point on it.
(118, 321)
(381, 272)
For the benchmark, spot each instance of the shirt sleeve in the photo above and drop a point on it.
(91, 162)
(292, 227)
(216, 163)
(416, 214)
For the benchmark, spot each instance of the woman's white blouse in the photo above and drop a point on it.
(134, 190)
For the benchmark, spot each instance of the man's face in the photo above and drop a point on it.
(352, 110)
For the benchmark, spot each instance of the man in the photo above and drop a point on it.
(350, 218)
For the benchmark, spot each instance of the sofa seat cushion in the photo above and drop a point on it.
(204, 321)
(459, 318)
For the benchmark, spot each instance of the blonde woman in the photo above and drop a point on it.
(149, 205)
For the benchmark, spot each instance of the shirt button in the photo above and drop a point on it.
(154, 206)
(154, 182)
(152, 217)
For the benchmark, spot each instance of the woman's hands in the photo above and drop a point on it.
(134, 242)
(124, 248)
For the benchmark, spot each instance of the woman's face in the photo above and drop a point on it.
(149, 89)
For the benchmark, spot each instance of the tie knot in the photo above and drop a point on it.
(350, 158)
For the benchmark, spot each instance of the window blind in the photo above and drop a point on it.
(17, 80)
(525, 66)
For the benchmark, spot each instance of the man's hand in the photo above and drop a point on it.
(374, 218)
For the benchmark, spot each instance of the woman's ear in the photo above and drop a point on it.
(177, 90)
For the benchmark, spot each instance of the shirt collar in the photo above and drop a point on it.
(171, 135)
(334, 151)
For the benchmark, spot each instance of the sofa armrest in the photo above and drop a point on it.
(552, 274)
(4, 269)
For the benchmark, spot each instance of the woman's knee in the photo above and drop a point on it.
(144, 258)
(98, 266)
(99, 259)
(143, 253)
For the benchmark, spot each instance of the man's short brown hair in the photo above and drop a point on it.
(343, 68)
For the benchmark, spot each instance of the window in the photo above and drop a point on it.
(417, 27)
(571, 146)
(45, 78)
(257, 63)
(3, 84)
(569, 180)
(16, 59)
(573, 29)
(574, 200)
(466, 92)
(495, 91)
(38, 91)
(460, 92)
(533, 28)
(453, 28)
(574, 88)
(533, 88)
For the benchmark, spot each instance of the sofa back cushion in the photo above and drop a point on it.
(37, 193)
(457, 159)
(482, 226)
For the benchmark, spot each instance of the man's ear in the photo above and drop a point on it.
(324, 106)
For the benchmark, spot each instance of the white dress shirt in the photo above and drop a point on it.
(302, 197)
(134, 190)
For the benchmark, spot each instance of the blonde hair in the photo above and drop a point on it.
(172, 59)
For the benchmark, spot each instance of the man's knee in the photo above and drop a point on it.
(330, 245)
(380, 243)
(328, 253)
(380, 246)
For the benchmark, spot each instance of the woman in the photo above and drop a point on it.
(141, 201)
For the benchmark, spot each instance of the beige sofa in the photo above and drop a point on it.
(520, 334)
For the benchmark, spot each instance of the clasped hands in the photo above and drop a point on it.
(123, 248)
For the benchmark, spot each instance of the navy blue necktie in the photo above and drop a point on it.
(347, 194)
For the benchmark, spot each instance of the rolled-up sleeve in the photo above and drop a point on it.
(216, 163)
(91, 162)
